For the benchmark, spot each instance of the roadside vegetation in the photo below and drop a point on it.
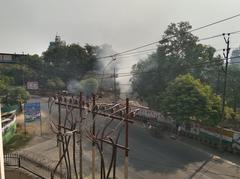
(16, 142)
(184, 79)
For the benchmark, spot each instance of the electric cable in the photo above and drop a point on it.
(167, 38)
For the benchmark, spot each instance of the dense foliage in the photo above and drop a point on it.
(58, 65)
(68, 62)
(55, 68)
(233, 86)
(188, 99)
(179, 53)
(10, 94)
(174, 56)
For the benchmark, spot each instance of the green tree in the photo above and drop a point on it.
(59, 64)
(187, 99)
(69, 61)
(17, 94)
(51, 84)
(89, 86)
(178, 53)
(5, 82)
(19, 73)
(55, 84)
(233, 86)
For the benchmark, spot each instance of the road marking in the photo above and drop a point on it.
(224, 160)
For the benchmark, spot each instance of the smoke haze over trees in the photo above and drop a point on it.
(64, 66)
(180, 53)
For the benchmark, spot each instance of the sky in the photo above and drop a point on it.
(29, 25)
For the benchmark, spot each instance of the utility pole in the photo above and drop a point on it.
(59, 132)
(80, 137)
(93, 143)
(225, 70)
(2, 172)
(114, 86)
(126, 141)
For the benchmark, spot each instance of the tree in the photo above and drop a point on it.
(11, 95)
(89, 86)
(5, 82)
(233, 86)
(178, 53)
(17, 94)
(51, 84)
(55, 84)
(69, 61)
(188, 99)
(58, 65)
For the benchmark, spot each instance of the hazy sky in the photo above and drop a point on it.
(28, 25)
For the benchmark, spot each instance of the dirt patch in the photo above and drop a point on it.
(16, 173)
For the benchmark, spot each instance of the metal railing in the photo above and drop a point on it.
(29, 165)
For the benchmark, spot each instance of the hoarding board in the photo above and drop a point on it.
(32, 112)
(32, 85)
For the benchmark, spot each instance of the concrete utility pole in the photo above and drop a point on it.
(2, 174)
(225, 70)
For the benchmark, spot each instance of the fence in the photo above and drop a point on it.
(29, 165)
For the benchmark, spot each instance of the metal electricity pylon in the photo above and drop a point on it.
(69, 125)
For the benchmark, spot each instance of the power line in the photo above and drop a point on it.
(216, 62)
(153, 43)
(124, 84)
(212, 37)
(209, 64)
(127, 55)
(219, 35)
(214, 23)
(143, 52)
(138, 52)
(190, 66)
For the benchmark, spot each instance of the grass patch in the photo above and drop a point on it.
(18, 140)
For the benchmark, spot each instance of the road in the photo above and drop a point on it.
(149, 157)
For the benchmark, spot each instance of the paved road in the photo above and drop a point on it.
(150, 157)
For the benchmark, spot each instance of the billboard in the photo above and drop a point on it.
(32, 112)
(32, 85)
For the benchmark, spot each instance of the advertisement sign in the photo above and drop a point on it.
(32, 112)
(32, 85)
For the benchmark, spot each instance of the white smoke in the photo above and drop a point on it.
(122, 65)
(105, 67)
(74, 87)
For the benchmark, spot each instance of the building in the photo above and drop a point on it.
(10, 57)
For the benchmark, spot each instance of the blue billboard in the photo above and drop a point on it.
(32, 112)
